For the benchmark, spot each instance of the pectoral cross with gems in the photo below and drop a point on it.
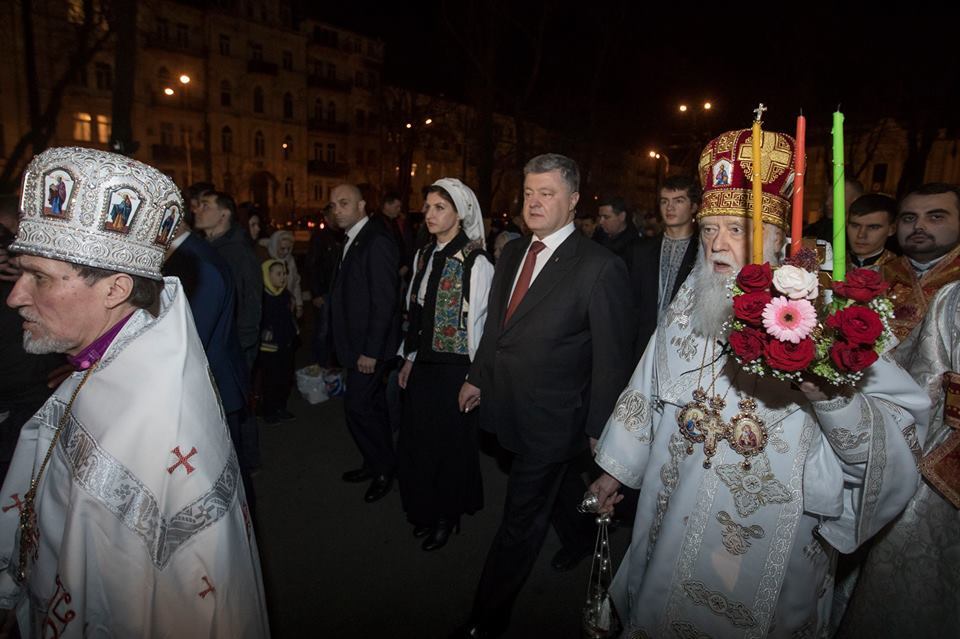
(759, 112)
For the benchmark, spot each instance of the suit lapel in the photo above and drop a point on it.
(355, 248)
(563, 259)
(511, 265)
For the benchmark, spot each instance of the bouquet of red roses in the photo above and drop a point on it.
(781, 328)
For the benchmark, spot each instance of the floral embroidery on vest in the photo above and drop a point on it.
(449, 319)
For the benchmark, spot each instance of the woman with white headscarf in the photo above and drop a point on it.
(438, 457)
(281, 248)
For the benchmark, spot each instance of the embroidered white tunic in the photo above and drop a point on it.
(909, 585)
(728, 552)
(143, 525)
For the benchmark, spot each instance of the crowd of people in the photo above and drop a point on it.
(575, 339)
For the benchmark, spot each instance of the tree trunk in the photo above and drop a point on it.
(124, 20)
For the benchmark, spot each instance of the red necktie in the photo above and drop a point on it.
(523, 283)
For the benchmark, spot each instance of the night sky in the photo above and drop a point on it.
(629, 67)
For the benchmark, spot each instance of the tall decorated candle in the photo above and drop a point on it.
(800, 167)
(839, 205)
(757, 183)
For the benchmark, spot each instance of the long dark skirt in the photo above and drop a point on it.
(437, 453)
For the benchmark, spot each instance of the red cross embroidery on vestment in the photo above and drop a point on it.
(209, 589)
(16, 503)
(182, 460)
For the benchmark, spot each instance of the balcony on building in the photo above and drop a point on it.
(327, 169)
(315, 81)
(156, 41)
(259, 66)
(320, 124)
(176, 153)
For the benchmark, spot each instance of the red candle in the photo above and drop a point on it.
(800, 166)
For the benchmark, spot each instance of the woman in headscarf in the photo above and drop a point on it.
(438, 459)
(281, 248)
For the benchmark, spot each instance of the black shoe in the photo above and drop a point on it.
(379, 488)
(422, 531)
(356, 476)
(476, 630)
(441, 534)
(568, 558)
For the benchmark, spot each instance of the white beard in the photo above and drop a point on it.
(713, 300)
(42, 345)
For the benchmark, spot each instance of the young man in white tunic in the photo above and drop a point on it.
(735, 549)
(122, 514)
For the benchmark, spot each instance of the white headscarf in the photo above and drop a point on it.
(468, 208)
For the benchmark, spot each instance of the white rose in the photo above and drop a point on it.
(796, 283)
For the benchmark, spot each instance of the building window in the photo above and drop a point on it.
(103, 129)
(166, 134)
(183, 35)
(318, 108)
(82, 77)
(259, 145)
(288, 188)
(361, 119)
(163, 30)
(359, 157)
(224, 44)
(331, 112)
(82, 127)
(287, 61)
(258, 100)
(226, 94)
(103, 75)
(331, 153)
(287, 147)
(317, 191)
(163, 78)
(226, 139)
(287, 106)
(331, 71)
(256, 52)
(317, 151)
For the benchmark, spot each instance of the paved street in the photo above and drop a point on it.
(335, 566)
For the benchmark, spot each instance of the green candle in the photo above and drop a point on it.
(839, 206)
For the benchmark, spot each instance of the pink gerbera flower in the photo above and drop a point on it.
(789, 320)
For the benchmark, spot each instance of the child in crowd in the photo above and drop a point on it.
(278, 335)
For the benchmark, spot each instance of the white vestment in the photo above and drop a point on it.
(143, 524)
(728, 552)
(909, 585)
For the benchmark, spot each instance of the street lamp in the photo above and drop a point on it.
(683, 108)
(428, 121)
(184, 79)
(707, 106)
(168, 91)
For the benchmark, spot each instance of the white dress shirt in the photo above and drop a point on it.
(552, 241)
(352, 233)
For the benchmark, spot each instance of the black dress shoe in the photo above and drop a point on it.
(422, 531)
(356, 476)
(379, 487)
(478, 631)
(568, 558)
(441, 534)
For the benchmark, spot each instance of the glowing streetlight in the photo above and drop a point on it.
(284, 146)
(409, 125)
(428, 121)
(184, 79)
(168, 91)
(683, 108)
(707, 106)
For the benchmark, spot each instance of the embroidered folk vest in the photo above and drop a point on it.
(438, 329)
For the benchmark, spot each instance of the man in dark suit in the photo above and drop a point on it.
(209, 287)
(555, 354)
(366, 333)
(661, 264)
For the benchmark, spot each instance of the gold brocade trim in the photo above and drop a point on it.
(739, 202)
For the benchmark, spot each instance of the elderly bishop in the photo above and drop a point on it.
(732, 546)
